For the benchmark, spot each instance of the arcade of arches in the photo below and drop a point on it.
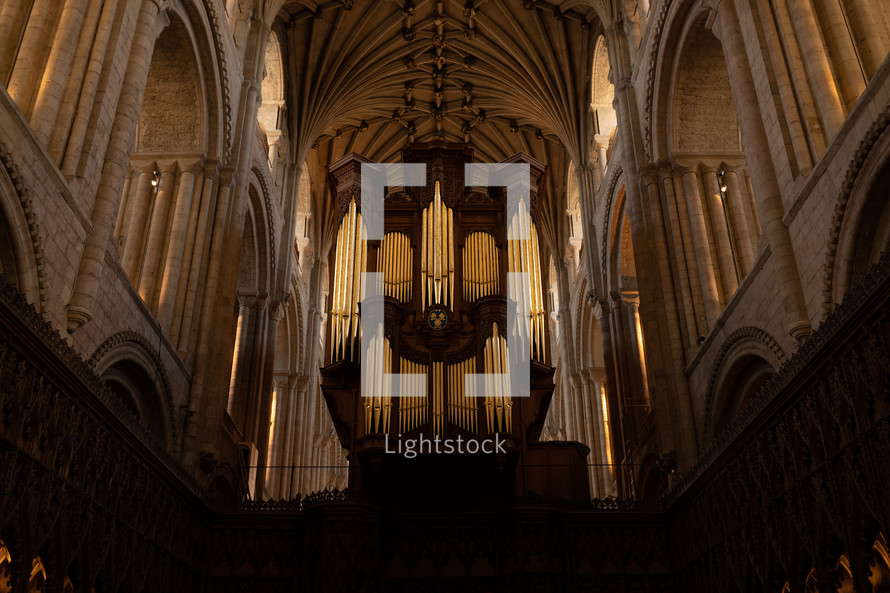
(181, 254)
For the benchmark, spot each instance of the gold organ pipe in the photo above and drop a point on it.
(437, 398)
(409, 270)
(468, 269)
(489, 402)
(335, 300)
(449, 236)
(350, 259)
(498, 403)
(347, 279)
(437, 265)
(525, 256)
(395, 264)
(423, 259)
(412, 410)
(480, 266)
(461, 409)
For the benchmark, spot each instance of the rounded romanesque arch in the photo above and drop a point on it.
(672, 25)
(747, 360)
(21, 251)
(614, 197)
(201, 23)
(132, 369)
(860, 228)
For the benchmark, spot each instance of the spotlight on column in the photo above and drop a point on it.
(722, 181)
(155, 178)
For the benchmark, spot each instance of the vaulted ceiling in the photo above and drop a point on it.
(503, 75)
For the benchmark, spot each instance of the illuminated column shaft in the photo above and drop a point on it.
(710, 296)
(815, 62)
(157, 230)
(133, 229)
(172, 264)
(720, 232)
(58, 69)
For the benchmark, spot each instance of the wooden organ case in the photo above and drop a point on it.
(445, 260)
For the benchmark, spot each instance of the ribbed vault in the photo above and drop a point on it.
(505, 76)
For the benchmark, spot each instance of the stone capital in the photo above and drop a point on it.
(683, 169)
(649, 174)
(277, 311)
(262, 302)
(247, 300)
(600, 309)
(163, 18)
(194, 167)
(228, 177)
(211, 168)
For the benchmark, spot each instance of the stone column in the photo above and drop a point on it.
(275, 466)
(206, 326)
(593, 435)
(650, 177)
(585, 176)
(299, 453)
(70, 154)
(208, 380)
(623, 355)
(738, 215)
(90, 35)
(246, 304)
(763, 174)
(13, 17)
(172, 263)
(601, 311)
(275, 314)
(870, 31)
(286, 446)
(152, 257)
(639, 348)
(842, 51)
(117, 160)
(126, 198)
(136, 217)
(706, 277)
(815, 61)
(27, 68)
(187, 299)
(58, 69)
(657, 307)
(682, 256)
(254, 362)
(720, 231)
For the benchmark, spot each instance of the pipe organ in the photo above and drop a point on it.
(443, 268)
